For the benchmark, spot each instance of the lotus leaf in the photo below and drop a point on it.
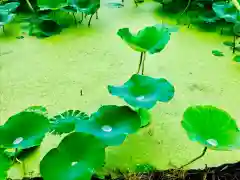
(9, 7)
(49, 27)
(151, 39)
(111, 124)
(86, 6)
(4, 165)
(226, 11)
(75, 158)
(37, 109)
(51, 4)
(143, 91)
(236, 58)
(65, 122)
(5, 18)
(211, 127)
(23, 130)
(217, 53)
(145, 117)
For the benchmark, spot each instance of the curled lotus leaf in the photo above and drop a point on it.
(211, 127)
(75, 158)
(5, 18)
(226, 11)
(111, 124)
(143, 91)
(65, 122)
(24, 130)
(152, 39)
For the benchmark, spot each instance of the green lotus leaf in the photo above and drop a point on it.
(152, 39)
(5, 164)
(211, 127)
(111, 124)
(51, 5)
(75, 158)
(217, 53)
(23, 130)
(5, 18)
(85, 6)
(9, 7)
(37, 109)
(49, 27)
(65, 122)
(69, 8)
(226, 11)
(236, 58)
(143, 91)
(145, 117)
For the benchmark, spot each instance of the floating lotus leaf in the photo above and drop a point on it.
(211, 127)
(5, 164)
(226, 11)
(9, 7)
(111, 124)
(5, 18)
(51, 4)
(75, 158)
(65, 122)
(217, 53)
(23, 130)
(151, 39)
(37, 109)
(143, 91)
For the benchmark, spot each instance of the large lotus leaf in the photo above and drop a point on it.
(143, 91)
(9, 7)
(51, 4)
(5, 18)
(24, 130)
(226, 11)
(211, 127)
(65, 122)
(5, 164)
(111, 124)
(75, 158)
(151, 39)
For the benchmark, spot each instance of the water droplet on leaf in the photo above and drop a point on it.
(107, 128)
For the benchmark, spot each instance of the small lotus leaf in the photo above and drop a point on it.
(143, 91)
(111, 124)
(24, 130)
(51, 5)
(37, 109)
(75, 158)
(211, 127)
(5, 164)
(217, 53)
(145, 117)
(9, 7)
(226, 11)
(236, 58)
(152, 39)
(65, 122)
(5, 18)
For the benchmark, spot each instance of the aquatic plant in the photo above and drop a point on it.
(211, 127)
(151, 39)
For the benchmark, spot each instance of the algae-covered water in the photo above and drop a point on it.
(52, 72)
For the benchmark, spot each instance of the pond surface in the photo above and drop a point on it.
(53, 72)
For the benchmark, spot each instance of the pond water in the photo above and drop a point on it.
(52, 72)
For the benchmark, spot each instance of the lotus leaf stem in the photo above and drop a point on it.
(89, 22)
(195, 159)
(81, 18)
(30, 6)
(75, 20)
(141, 63)
(96, 15)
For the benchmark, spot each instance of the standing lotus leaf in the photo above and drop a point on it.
(143, 91)
(24, 130)
(37, 109)
(211, 127)
(4, 165)
(9, 7)
(65, 122)
(111, 124)
(152, 39)
(51, 5)
(75, 158)
(226, 11)
(5, 18)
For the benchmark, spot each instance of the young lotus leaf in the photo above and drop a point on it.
(226, 11)
(51, 4)
(143, 91)
(145, 117)
(65, 122)
(5, 18)
(152, 39)
(23, 130)
(111, 124)
(5, 164)
(9, 7)
(211, 127)
(75, 158)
